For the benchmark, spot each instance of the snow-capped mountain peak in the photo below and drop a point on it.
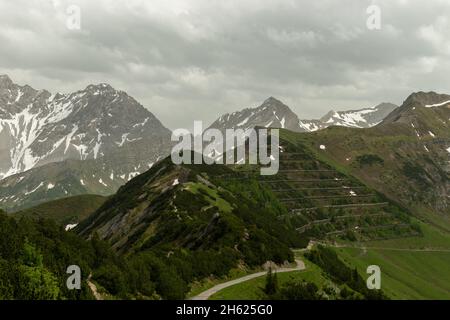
(363, 118)
(271, 113)
(37, 127)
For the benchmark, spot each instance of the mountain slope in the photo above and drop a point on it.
(57, 180)
(187, 207)
(405, 157)
(65, 211)
(37, 128)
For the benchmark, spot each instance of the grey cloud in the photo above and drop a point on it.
(187, 60)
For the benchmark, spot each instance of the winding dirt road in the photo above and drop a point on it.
(208, 293)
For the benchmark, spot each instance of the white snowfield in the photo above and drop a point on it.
(309, 127)
(351, 118)
(364, 118)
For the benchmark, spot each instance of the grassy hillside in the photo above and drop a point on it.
(432, 238)
(254, 289)
(405, 158)
(197, 224)
(405, 274)
(64, 211)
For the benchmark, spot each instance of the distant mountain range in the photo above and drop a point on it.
(94, 140)
(273, 113)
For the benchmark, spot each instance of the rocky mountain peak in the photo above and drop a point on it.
(274, 104)
(5, 81)
(328, 116)
(37, 128)
(100, 88)
(271, 113)
(423, 114)
(425, 99)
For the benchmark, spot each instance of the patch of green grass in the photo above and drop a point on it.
(437, 220)
(200, 286)
(211, 195)
(405, 274)
(432, 238)
(253, 289)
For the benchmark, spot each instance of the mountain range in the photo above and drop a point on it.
(275, 114)
(145, 227)
(337, 184)
(37, 127)
(406, 156)
(389, 173)
(92, 141)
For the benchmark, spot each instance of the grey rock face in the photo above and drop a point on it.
(37, 128)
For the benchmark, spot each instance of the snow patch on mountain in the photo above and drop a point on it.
(274, 114)
(34, 190)
(364, 118)
(37, 127)
(437, 104)
(70, 226)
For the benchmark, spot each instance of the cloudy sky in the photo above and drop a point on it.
(190, 60)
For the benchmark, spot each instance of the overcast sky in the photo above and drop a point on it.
(189, 60)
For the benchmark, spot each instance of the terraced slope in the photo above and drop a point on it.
(406, 158)
(323, 202)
